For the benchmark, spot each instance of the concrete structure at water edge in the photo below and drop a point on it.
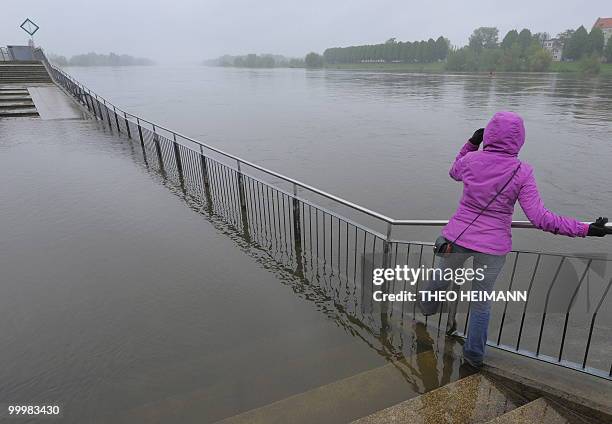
(605, 24)
(541, 367)
(27, 90)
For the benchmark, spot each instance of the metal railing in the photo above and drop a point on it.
(286, 217)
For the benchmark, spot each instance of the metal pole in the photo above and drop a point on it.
(127, 125)
(179, 164)
(206, 180)
(297, 231)
(243, 208)
(159, 153)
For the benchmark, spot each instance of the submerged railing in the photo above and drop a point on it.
(287, 217)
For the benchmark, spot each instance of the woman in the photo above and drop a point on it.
(493, 180)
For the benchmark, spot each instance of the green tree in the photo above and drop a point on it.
(607, 53)
(565, 35)
(462, 60)
(538, 59)
(511, 37)
(484, 37)
(540, 37)
(442, 47)
(525, 38)
(313, 60)
(577, 45)
(596, 42)
(489, 59)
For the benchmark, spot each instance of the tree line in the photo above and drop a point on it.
(580, 43)
(256, 61)
(523, 51)
(518, 51)
(94, 59)
(391, 51)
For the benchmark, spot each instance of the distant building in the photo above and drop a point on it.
(555, 47)
(605, 24)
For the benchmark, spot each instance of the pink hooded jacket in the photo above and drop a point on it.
(483, 174)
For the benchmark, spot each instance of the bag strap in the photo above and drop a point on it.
(489, 204)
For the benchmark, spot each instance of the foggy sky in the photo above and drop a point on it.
(191, 30)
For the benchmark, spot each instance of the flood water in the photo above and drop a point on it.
(123, 303)
(386, 140)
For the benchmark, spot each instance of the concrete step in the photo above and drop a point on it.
(39, 71)
(16, 105)
(538, 411)
(14, 73)
(346, 399)
(25, 81)
(17, 71)
(25, 74)
(268, 376)
(474, 399)
(14, 92)
(21, 63)
(16, 113)
(14, 98)
(585, 394)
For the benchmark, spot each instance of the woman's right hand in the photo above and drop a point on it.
(598, 228)
(477, 137)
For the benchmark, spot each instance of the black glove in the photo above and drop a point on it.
(477, 137)
(598, 228)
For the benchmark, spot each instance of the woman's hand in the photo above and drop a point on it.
(477, 137)
(598, 228)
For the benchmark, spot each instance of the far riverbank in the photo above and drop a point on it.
(565, 67)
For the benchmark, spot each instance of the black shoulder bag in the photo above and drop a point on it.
(443, 247)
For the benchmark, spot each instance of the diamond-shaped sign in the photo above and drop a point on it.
(29, 27)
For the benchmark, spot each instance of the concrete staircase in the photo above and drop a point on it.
(15, 101)
(470, 400)
(344, 400)
(23, 72)
(474, 399)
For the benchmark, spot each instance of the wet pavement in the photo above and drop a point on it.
(123, 301)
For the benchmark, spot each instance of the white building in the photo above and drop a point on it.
(555, 47)
(605, 24)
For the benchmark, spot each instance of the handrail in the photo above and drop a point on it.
(338, 199)
(312, 236)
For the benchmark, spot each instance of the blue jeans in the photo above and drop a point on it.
(480, 312)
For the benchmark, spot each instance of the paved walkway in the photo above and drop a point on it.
(52, 103)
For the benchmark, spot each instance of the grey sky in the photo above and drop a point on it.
(191, 30)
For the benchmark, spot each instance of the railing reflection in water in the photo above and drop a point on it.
(320, 244)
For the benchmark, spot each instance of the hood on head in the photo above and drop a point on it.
(505, 133)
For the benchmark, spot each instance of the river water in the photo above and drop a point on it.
(122, 303)
(386, 140)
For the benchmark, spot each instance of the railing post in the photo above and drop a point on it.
(206, 180)
(86, 101)
(142, 145)
(243, 208)
(297, 230)
(386, 260)
(162, 170)
(179, 164)
(93, 105)
(116, 120)
(110, 126)
(100, 109)
(127, 125)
